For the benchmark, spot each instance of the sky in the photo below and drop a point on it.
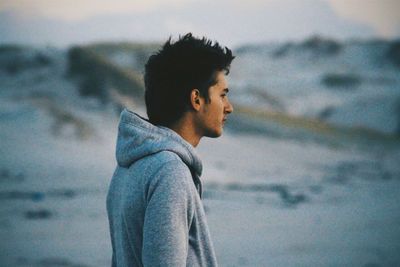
(232, 22)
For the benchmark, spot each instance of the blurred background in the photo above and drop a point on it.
(306, 174)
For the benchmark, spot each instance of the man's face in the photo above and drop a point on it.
(213, 114)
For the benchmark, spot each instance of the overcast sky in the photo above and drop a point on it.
(232, 22)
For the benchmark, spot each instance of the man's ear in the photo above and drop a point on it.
(195, 99)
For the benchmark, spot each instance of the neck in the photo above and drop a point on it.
(185, 127)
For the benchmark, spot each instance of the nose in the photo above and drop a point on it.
(229, 107)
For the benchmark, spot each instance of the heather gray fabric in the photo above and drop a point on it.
(154, 201)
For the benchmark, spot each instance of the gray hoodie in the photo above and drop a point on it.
(154, 201)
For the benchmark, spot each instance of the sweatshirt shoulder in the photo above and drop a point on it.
(162, 158)
(170, 175)
(166, 163)
(166, 156)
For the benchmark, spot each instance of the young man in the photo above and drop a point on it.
(154, 201)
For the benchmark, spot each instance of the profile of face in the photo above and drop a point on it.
(212, 114)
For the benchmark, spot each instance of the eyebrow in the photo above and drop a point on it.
(226, 90)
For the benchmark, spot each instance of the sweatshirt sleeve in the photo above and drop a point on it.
(169, 212)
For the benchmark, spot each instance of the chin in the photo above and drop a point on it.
(214, 134)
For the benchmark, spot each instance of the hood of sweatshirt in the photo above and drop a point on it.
(138, 138)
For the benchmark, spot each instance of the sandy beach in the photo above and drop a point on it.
(271, 199)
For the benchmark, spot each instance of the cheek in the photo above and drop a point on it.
(222, 105)
(219, 109)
